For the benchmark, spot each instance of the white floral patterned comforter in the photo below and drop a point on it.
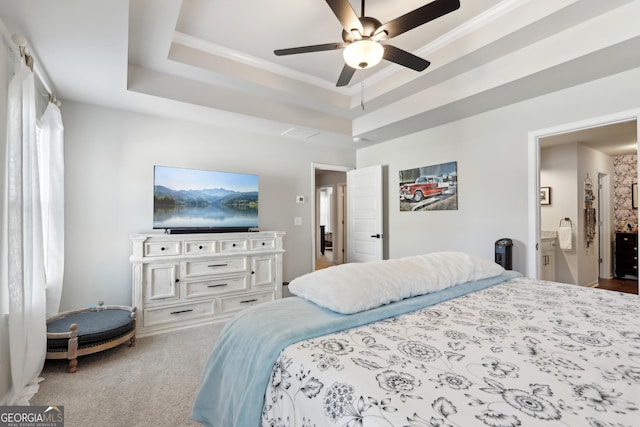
(520, 353)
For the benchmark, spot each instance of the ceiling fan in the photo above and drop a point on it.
(362, 36)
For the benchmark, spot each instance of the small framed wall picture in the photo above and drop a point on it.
(545, 195)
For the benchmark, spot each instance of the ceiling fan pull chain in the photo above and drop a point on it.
(362, 94)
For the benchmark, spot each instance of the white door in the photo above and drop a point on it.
(364, 214)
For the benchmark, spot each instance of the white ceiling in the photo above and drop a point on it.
(213, 61)
(615, 139)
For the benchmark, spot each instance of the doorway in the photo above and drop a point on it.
(329, 184)
(600, 134)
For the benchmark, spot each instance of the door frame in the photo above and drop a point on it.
(314, 167)
(339, 243)
(533, 256)
(605, 267)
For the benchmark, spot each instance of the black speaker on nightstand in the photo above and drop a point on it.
(504, 248)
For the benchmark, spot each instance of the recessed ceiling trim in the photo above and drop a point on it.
(225, 52)
(474, 24)
(216, 49)
(446, 39)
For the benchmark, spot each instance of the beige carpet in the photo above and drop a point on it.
(151, 384)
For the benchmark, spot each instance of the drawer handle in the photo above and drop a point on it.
(248, 301)
(217, 265)
(234, 245)
(181, 311)
(162, 248)
(200, 247)
(222, 285)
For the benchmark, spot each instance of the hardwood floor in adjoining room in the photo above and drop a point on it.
(325, 260)
(629, 286)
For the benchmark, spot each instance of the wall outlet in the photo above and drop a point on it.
(297, 220)
(299, 199)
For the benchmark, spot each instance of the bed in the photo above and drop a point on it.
(443, 339)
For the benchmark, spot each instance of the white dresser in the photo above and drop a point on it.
(184, 280)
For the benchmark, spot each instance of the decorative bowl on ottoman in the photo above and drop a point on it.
(89, 330)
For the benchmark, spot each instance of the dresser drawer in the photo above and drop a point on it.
(626, 246)
(215, 266)
(262, 244)
(204, 288)
(230, 304)
(233, 245)
(178, 313)
(626, 240)
(161, 248)
(627, 265)
(627, 257)
(199, 247)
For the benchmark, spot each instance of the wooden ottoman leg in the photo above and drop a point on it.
(73, 366)
(72, 349)
(132, 341)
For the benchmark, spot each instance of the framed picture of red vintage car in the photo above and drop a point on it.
(429, 188)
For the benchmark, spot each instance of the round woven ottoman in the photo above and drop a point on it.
(80, 332)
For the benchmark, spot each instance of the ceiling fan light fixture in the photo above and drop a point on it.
(355, 33)
(363, 54)
(379, 36)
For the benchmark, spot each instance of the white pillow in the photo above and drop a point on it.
(350, 288)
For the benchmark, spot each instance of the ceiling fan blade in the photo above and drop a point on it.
(419, 16)
(307, 49)
(404, 58)
(346, 15)
(345, 76)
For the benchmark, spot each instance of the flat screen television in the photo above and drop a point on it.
(201, 201)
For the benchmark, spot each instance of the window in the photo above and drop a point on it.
(326, 194)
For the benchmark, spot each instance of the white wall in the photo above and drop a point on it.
(491, 151)
(109, 159)
(110, 154)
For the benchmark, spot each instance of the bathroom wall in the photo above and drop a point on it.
(565, 168)
(625, 173)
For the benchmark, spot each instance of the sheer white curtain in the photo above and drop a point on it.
(23, 234)
(50, 138)
(325, 208)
